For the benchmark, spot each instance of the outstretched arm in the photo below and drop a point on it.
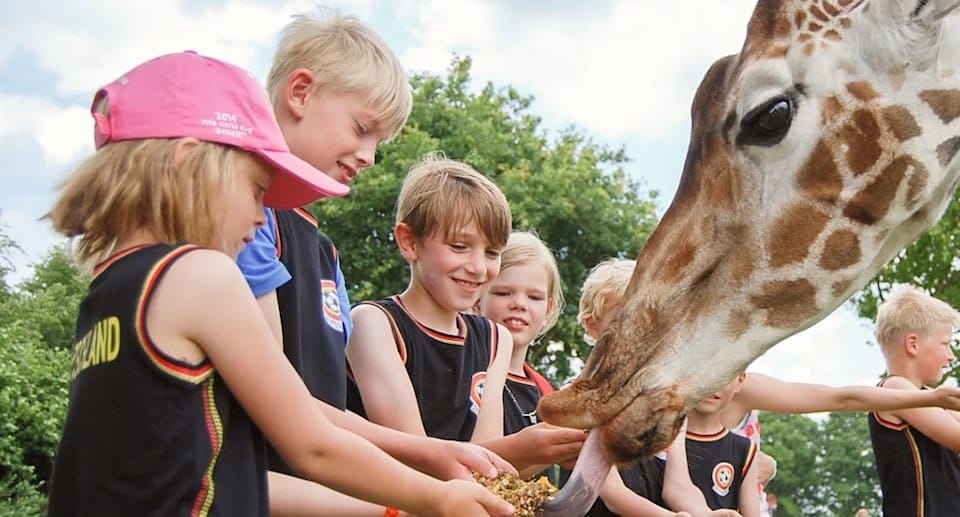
(759, 391)
(939, 425)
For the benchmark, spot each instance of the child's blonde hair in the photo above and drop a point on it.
(137, 184)
(907, 310)
(526, 248)
(440, 196)
(603, 288)
(345, 56)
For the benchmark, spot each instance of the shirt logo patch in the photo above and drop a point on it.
(722, 478)
(331, 305)
(476, 391)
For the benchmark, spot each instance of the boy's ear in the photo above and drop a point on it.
(405, 241)
(911, 343)
(296, 93)
(591, 326)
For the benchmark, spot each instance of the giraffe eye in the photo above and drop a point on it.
(766, 125)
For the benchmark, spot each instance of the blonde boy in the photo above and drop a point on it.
(337, 91)
(420, 362)
(916, 449)
(665, 483)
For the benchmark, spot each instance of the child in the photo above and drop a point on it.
(526, 298)
(172, 352)
(419, 362)
(916, 449)
(602, 293)
(664, 483)
(338, 91)
(719, 461)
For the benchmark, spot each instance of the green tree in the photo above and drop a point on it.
(570, 190)
(47, 301)
(34, 379)
(789, 439)
(823, 467)
(930, 263)
(849, 472)
(7, 247)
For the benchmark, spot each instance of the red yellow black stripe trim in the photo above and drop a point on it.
(99, 268)
(188, 372)
(208, 489)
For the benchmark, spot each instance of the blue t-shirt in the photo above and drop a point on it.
(264, 272)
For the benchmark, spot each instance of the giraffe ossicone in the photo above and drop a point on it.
(820, 151)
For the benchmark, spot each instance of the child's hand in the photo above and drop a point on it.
(548, 444)
(721, 513)
(471, 498)
(948, 397)
(457, 460)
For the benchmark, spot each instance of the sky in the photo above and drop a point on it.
(622, 71)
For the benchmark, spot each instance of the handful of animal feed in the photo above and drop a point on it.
(527, 497)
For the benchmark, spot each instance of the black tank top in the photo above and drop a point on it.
(145, 433)
(310, 312)
(918, 476)
(447, 371)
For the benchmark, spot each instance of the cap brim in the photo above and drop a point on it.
(296, 182)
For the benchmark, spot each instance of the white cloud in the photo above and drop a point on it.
(62, 132)
(627, 68)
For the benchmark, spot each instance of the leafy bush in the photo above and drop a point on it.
(34, 384)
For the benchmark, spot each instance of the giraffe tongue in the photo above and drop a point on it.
(583, 487)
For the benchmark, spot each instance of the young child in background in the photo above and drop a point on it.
(916, 449)
(719, 461)
(176, 372)
(526, 298)
(338, 92)
(602, 294)
(664, 483)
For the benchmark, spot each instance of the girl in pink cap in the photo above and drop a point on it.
(175, 371)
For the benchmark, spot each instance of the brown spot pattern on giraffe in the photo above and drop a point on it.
(917, 177)
(945, 103)
(792, 234)
(839, 288)
(841, 250)
(901, 122)
(947, 150)
(872, 202)
(862, 90)
(786, 302)
(862, 138)
(819, 177)
(737, 324)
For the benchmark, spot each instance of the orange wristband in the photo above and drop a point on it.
(391, 512)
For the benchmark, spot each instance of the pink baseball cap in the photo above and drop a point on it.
(189, 95)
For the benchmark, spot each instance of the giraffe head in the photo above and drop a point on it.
(817, 153)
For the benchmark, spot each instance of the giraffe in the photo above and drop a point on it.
(816, 154)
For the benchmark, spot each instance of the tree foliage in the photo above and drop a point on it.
(823, 467)
(570, 190)
(36, 318)
(930, 263)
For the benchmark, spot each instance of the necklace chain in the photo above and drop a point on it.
(530, 416)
